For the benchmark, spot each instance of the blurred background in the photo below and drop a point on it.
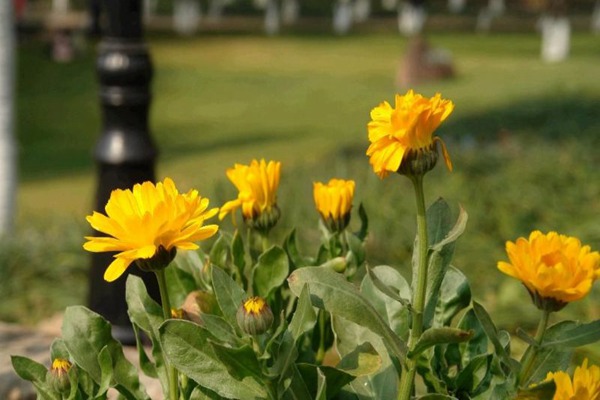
(294, 80)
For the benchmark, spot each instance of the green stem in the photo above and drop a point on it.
(264, 241)
(419, 295)
(529, 357)
(166, 307)
(320, 356)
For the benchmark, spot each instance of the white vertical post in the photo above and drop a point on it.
(7, 142)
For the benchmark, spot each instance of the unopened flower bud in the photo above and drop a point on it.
(58, 375)
(419, 161)
(264, 221)
(197, 303)
(160, 260)
(338, 264)
(254, 316)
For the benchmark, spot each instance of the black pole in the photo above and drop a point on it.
(125, 153)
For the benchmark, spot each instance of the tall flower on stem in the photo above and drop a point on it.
(334, 202)
(402, 137)
(556, 270)
(257, 185)
(402, 141)
(584, 385)
(146, 226)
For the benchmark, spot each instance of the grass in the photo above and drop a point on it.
(523, 139)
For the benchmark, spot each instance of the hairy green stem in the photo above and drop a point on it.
(529, 358)
(166, 307)
(418, 302)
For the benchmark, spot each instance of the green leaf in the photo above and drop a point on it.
(550, 358)
(330, 291)
(435, 396)
(321, 386)
(35, 373)
(384, 297)
(453, 296)
(270, 271)
(476, 376)
(86, 334)
(220, 253)
(353, 338)
(220, 329)
(363, 360)
(439, 235)
(323, 381)
(304, 317)
(241, 362)
(106, 367)
(364, 223)
(296, 388)
(492, 333)
(58, 349)
(238, 253)
(442, 335)
(179, 284)
(190, 264)
(188, 347)
(357, 248)
(478, 344)
(230, 295)
(291, 247)
(580, 335)
(146, 314)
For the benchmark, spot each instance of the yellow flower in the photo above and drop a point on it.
(257, 185)
(554, 268)
(152, 221)
(403, 135)
(254, 316)
(334, 202)
(584, 386)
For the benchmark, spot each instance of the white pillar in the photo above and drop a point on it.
(556, 38)
(186, 16)
(342, 17)
(8, 169)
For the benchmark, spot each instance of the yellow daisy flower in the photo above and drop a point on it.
(257, 184)
(402, 137)
(556, 269)
(148, 222)
(334, 202)
(585, 384)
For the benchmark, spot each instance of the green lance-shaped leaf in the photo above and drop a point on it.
(106, 367)
(229, 295)
(579, 335)
(35, 373)
(147, 315)
(179, 283)
(435, 396)
(492, 333)
(443, 335)
(363, 360)
(400, 293)
(58, 349)
(189, 264)
(290, 245)
(241, 362)
(238, 252)
(364, 223)
(551, 358)
(188, 347)
(220, 253)
(86, 334)
(442, 235)
(453, 296)
(270, 271)
(332, 292)
(325, 381)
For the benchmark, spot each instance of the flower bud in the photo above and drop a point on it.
(264, 221)
(58, 375)
(338, 264)
(197, 303)
(254, 316)
(419, 161)
(160, 260)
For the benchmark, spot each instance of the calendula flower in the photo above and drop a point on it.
(585, 384)
(334, 202)
(556, 269)
(257, 185)
(254, 316)
(58, 375)
(148, 224)
(402, 137)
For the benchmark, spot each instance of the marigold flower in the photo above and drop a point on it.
(58, 376)
(257, 184)
(585, 384)
(402, 137)
(556, 269)
(148, 224)
(254, 316)
(334, 202)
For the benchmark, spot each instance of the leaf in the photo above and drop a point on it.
(453, 296)
(230, 295)
(187, 346)
(304, 317)
(296, 388)
(442, 335)
(363, 360)
(291, 248)
(58, 349)
(220, 251)
(105, 362)
(191, 264)
(435, 396)
(324, 381)
(241, 362)
(238, 253)
(492, 333)
(364, 222)
(450, 235)
(35, 373)
(395, 313)
(86, 334)
(270, 271)
(179, 284)
(332, 292)
(580, 335)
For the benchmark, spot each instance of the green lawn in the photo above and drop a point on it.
(523, 139)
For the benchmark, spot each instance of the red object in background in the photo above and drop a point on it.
(19, 8)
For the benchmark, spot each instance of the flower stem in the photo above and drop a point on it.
(419, 294)
(321, 351)
(166, 307)
(529, 358)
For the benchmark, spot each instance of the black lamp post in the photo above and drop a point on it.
(125, 153)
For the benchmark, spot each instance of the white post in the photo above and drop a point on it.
(556, 38)
(342, 17)
(596, 18)
(186, 16)
(272, 19)
(362, 10)
(456, 6)
(411, 18)
(290, 11)
(8, 169)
